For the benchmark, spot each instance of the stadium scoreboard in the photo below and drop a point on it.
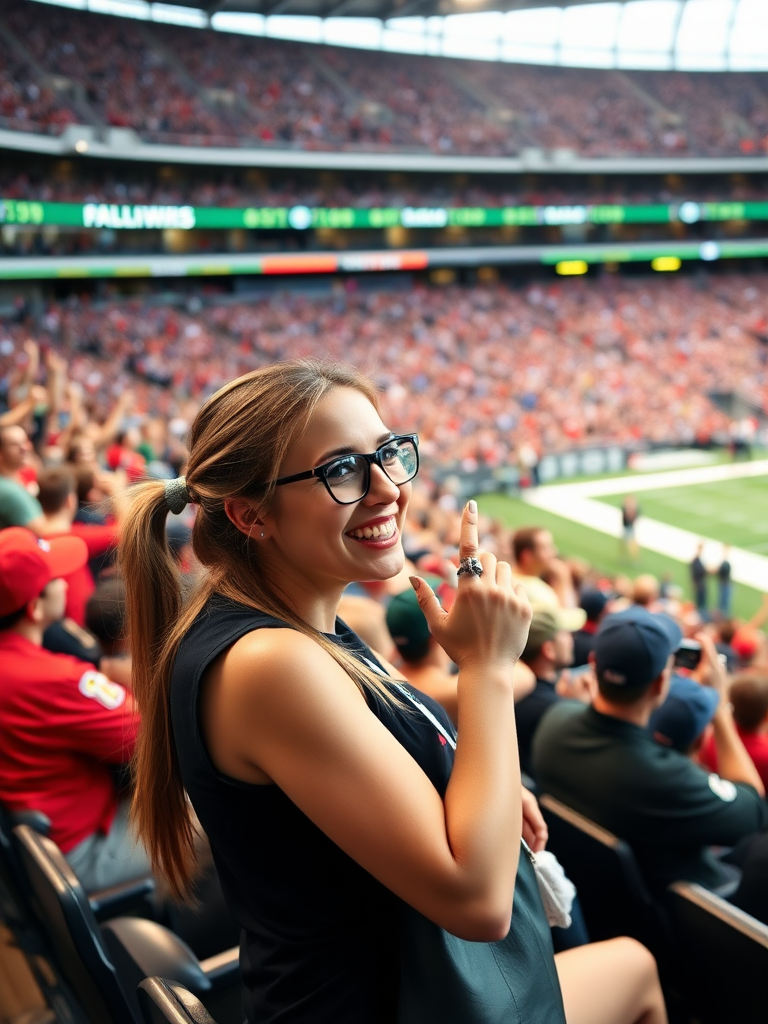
(123, 216)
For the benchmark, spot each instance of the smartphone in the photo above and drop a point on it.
(688, 654)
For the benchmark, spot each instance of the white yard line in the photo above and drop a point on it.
(669, 478)
(574, 502)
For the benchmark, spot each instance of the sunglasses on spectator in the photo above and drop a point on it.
(348, 478)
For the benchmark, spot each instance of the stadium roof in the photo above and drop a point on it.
(708, 35)
(383, 9)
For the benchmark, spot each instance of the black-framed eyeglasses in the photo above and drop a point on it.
(348, 477)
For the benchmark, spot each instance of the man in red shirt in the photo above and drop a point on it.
(58, 499)
(62, 723)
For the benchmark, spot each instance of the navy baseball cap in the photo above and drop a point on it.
(632, 647)
(685, 714)
(593, 601)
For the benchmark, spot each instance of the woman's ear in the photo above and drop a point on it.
(242, 514)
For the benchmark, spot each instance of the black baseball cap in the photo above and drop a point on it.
(632, 647)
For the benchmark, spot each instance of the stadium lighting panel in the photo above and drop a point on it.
(666, 263)
(571, 268)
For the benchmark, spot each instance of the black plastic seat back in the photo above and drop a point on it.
(66, 918)
(166, 1002)
(613, 894)
(723, 955)
(11, 868)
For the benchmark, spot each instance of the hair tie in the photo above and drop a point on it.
(176, 494)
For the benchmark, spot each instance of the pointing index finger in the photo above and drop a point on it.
(469, 542)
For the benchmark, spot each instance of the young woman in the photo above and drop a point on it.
(332, 800)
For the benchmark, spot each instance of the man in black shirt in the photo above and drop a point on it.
(593, 602)
(699, 581)
(548, 651)
(724, 586)
(603, 762)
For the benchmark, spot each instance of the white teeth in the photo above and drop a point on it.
(383, 530)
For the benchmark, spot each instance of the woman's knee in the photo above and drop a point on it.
(638, 960)
(642, 956)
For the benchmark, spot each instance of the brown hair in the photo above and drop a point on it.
(749, 696)
(524, 539)
(55, 485)
(85, 481)
(237, 442)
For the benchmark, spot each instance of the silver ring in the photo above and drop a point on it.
(470, 567)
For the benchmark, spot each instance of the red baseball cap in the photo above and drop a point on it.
(746, 642)
(28, 564)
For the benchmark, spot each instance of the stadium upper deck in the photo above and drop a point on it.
(197, 87)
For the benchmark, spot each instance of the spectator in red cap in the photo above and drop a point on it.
(62, 723)
(746, 642)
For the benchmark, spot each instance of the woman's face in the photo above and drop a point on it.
(310, 533)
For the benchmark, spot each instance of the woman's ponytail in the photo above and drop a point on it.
(154, 604)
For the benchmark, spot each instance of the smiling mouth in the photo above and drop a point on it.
(380, 531)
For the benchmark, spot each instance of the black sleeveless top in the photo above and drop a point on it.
(319, 932)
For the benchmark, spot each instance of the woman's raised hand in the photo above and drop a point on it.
(489, 620)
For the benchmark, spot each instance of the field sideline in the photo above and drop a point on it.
(580, 523)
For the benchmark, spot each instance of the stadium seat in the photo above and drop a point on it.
(166, 1002)
(104, 965)
(612, 891)
(105, 903)
(723, 956)
(11, 869)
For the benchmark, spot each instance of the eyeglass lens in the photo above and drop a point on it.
(348, 477)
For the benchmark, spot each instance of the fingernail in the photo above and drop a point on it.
(415, 582)
(472, 505)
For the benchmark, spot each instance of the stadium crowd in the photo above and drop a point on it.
(64, 182)
(189, 86)
(479, 372)
(61, 477)
(103, 400)
(126, 81)
(25, 104)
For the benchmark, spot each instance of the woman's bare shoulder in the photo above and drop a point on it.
(279, 661)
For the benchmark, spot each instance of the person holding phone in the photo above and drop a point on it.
(329, 790)
(603, 761)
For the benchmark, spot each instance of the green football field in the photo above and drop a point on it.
(688, 510)
(733, 511)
